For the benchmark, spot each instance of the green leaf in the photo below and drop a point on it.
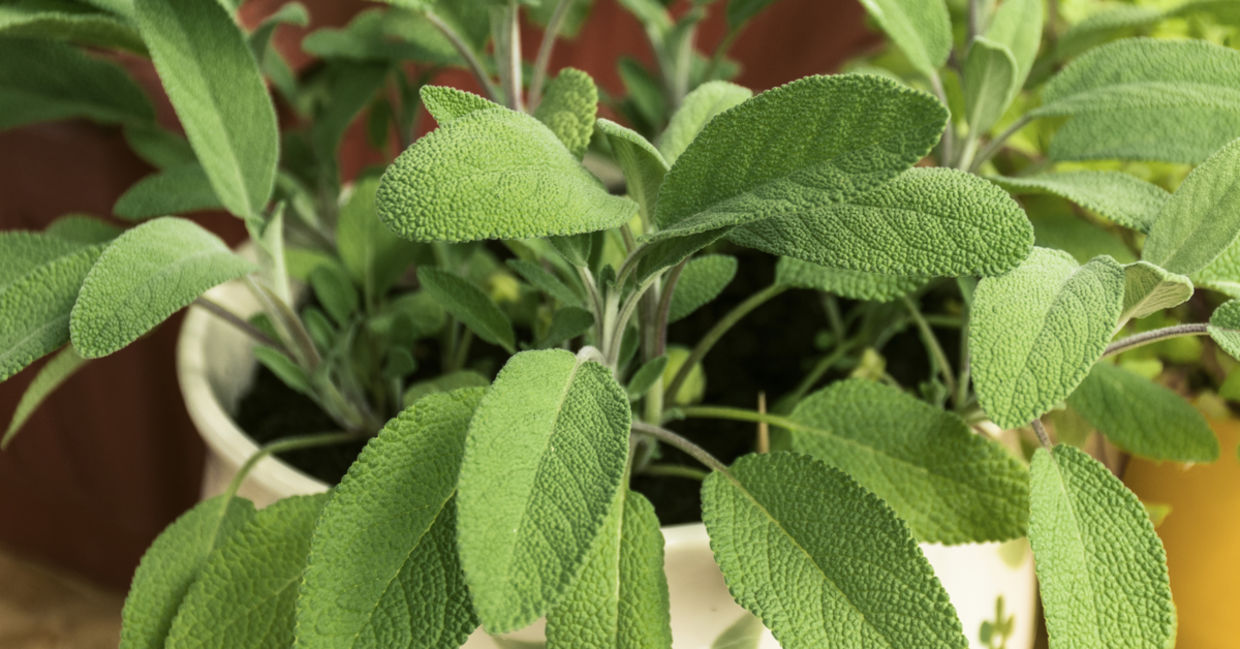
(1224, 327)
(545, 281)
(1120, 197)
(1037, 331)
(989, 83)
(741, 11)
(467, 303)
(922, 29)
(1101, 569)
(290, 373)
(374, 257)
(446, 103)
(54, 373)
(1109, 24)
(80, 228)
(1017, 25)
(949, 484)
(568, 322)
(619, 601)
(172, 564)
(1143, 417)
(383, 569)
(696, 110)
(1202, 217)
(67, 21)
(494, 174)
(22, 250)
(544, 458)
(376, 35)
(859, 581)
(444, 383)
(246, 591)
(645, 376)
(45, 80)
(659, 255)
(1149, 289)
(215, 86)
(175, 190)
(926, 222)
(158, 146)
(350, 88)
(853, 284)
(37, 297)
(643, 166)
(145, 275)
(744, 633)
(568, 108)
(701, 281)
(335, 292)
(1144, 99)
(290, 13)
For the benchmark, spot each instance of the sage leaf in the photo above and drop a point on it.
(285, 369)
(22, 251)
(1120, 197)
(58, 20)
(444, 383)
(546, 281)
(350, 87)
(467, 303)
(568, 108)
(494, 174)
(745, 633)
(701, 281)
(740, 12)
(659, 255)
(212, 78)
(1145, 99)
(250, 581)
(922, 29)
(696, 110)
(158, 146)
(859, 582)
(145, 275)
(1142, 417)
(1149, 289)
(949, 484)
(52, 375)
(172, 564)
(645, 376)
(377, 36)
(80, 228)
(643, 166)
(1017, 25)
(374, 256)
(1037, 331)
(566, 323)
(1224, 327)
(989, 83)
(385, 547)
(45, 81)
(853, 284)
(620, 600)
(175, 190)
(446, 103)
(544, 458)
(1101, 569)
(1202, 217)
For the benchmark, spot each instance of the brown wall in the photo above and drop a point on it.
(112, 458)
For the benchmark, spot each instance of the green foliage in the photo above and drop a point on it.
(546, 449)
(645, 376)
(696, 110)
(385, 546)
(445, 103)
(701, 281)
(1120, 197)
(568, 322)
(859, 582)
(948, 484)
(1202, 218)
(741, 11)
(82, 229)
(568, 108)
(1036, 332)
(444, 383)
(467, 303)
(546, 281)
(175, 190)
(224, 106)
(63, 20)
(920, 28)
(642, 165)
(382, 36)
(351, 87)
(128, 290)
(56, 371)
(790, 271)
(1142, 417)
(1149, 289)
(1146, 99)
(620, 600)
(1101, 568)
(374, 257)
(1017, 25)
(990, 81)
(1224, 327)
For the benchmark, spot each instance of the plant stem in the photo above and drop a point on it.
(237, 321)
(947, 147)
(693, 450)
(510, 46)
(665, 308)
(543, 59)
(675, 471)
(822, 367)
(1043, 438)
(1145, 338)
(626, 312)
(932, 345)
(721, 51)
(716, 332)
(996, 143)
(739, 414)
(281, 446)
(466, 52)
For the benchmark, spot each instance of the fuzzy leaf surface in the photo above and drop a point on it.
(1149, 289)
(374, 257)
(1224, 327)
(1120, 197)
(175, 190)
(569, 107)
(1017, 25)
(54, 373)
(1101, 568)
(212, 78)
(172, 564)
(61, 20)
(1037, 331)
(696, 110)
(145, 275)
(854, 284)
(1143, 417)
(859, 582)
(446, 103)
(546, 281)
(544, 458)
(494, 174)
(643, 166)
(1202, 218)
(467, 303)
(620, 600)
(383, 569)
(82, 229)
(948, 484)
(922, 29)
(702, 280)
(36, 302)
(1145, 99)
(989, 83)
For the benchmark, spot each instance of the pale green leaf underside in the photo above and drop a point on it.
(175, 190)
(1224, 327)
(57, 370)
(568, 108)
(989, 83)
(446, 103)
(696, 110)
(467, 303)
(1037, 331)
(1202, 218)
(948, 484)
(790, 271)
(1149, 289)
(620, 599)
(1101, 569)
(494, 174)
(1143, 417)
(215, 86)
(1146, 99)
(145, 275)
(1120, 197)
(383, 569)
(920, 28)
(858, 582)
(245, 594)
(171, 565)
(643, 166)
(544, 457)
(35, 305)
(701, 281)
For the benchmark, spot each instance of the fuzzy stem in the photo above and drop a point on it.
(543, 59)
(693, 450)
(237, 321)
(281, 446)
(1145, 338)
(467, 53)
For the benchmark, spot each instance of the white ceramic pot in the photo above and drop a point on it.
(215, 366)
